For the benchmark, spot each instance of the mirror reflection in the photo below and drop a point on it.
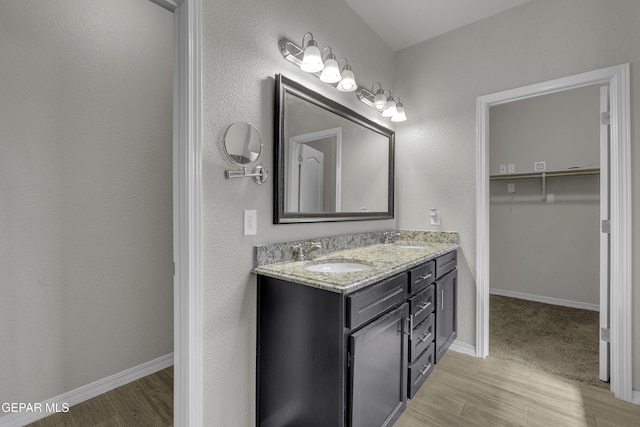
(242, 144)
(333, 163)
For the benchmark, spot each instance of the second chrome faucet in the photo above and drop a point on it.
(304, 250)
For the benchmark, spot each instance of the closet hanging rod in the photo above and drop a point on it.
(568, 172)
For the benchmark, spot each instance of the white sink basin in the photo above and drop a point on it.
(337, 267)
(410, 245)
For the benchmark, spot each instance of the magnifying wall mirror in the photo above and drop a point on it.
(243, 146)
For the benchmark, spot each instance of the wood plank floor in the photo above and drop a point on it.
(467, 391)
(145, 402)
(461, 391)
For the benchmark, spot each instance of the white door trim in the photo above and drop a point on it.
(617, 78)
(187, 211)
(604, 237)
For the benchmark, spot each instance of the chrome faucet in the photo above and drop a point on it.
(304, 249)
(391, 236)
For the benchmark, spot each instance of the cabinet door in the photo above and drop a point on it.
(446, 324)
(379, 370)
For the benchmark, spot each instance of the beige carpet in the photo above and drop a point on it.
(558, 340)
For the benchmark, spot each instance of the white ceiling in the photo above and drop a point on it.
(403, 23)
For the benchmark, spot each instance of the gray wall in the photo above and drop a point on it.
(439, 81)
(542, 248)
(85, 190)
(240, 60)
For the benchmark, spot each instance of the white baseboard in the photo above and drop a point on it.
(464, 348)
(635, 398)
(73, 397)
(546, 300)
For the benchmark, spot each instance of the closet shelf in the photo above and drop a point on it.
(547, 174)
(544, 175)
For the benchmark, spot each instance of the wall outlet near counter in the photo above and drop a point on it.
(435, 216)
(511, 168)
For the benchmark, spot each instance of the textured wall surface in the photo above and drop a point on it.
(85, 190)
(440, 81)
(240, 59)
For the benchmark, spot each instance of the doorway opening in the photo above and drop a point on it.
(545, 237)
(619, 271)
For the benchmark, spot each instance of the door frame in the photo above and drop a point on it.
(187, 211)
(620, 267)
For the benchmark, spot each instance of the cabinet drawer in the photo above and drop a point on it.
(368, 303)
(446, 263)
(420, 277)
(422, 304)
(421, 337)
(420, 370)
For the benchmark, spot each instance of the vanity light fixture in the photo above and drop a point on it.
(369, 97)
(380, 100)
(328, 70)
(312, 58)
(400, 115)
(331, 71)
(347, 79)
(390, 109)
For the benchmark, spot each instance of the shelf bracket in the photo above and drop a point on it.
(544, 187)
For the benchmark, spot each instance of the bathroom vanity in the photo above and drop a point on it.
(342, 346)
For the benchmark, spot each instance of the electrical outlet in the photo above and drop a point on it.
(435, 216)
(511, 188)
(250, 222)
(540, 166)
(550, 198)
(503, 168)
(512, 168)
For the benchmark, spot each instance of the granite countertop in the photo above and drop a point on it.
(385, 261)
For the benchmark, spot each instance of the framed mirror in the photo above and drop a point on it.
(332, 164)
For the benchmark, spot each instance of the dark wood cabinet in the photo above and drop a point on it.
(432, 299)
(351, 360)
(446, 306)
(379, 370)
(328, 359)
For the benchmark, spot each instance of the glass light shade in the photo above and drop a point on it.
(391, 110)
(380, 101)
(400, 115)
(312, 60)
(331, 71)
(348, 81)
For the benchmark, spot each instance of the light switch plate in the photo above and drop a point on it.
(503, 168)
(250, 222)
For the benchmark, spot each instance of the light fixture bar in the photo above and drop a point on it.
(294, 53)
(365, 96)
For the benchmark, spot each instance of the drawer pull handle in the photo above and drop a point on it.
(408, 326)
(424, 276)
(422, 307)
(442, 300)
(425, 337)
(425, 370)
